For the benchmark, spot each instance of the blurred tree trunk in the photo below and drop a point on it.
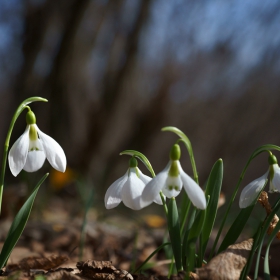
(113, 97)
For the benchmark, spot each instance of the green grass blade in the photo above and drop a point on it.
(143, 265)
(193, 235)
(259, 241)
(238, 225)
(247, 267)
(266, 259)
(18, 225)
(213, 189)
(174, 232)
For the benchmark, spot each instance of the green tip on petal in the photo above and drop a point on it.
(30, 117)
(272, 160)
(175, 152)
(133, 162)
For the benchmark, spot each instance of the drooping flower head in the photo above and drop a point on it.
(33, 147)
(252, 190)
(171, 180)
(128, 188)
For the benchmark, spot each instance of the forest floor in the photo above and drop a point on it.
(113, 246)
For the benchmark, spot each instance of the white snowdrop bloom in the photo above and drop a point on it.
(128, 188)
(274, 178)
(33, 147)
(252, 190)
(171, 180)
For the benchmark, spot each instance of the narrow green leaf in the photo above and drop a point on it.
(142, 158)
(238, 225)
(264, 148)
(266, 259)
(213, 189)
(18, 225)
(143, 265)
(193, 235)
(174, 232)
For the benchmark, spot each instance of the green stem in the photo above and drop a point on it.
(264, 148)
(19, 110)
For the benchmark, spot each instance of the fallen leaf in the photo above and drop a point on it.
(228, 264)
(44, 263)
(102, 270)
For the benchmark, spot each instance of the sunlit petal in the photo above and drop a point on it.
(18, 153)
(275, 182)
(152, 189)
(131, 191)
(251, 191)
(172, 187)
(113, 193)
(54, 152)
(34, 161)
(193, 190)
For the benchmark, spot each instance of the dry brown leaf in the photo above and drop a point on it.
(61, 275)
(263, 200)
(44, 263)
(228, 264)
(102, 270)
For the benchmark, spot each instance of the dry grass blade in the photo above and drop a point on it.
(228, 264)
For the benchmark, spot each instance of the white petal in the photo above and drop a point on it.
(193, 190)
(172, 187)
(34, 161)
(54, 152)
(113, 193)
(132, 190)
(275, 182)
(152, 189)
(251, 191)
(144, 178)
(18, 152)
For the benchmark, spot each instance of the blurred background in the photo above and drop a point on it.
(116, 71)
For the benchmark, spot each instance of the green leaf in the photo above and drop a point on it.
(213, 190)
(18, 225)
(143, 265)
(266, 259)
(264, 148)
(174, 232)
(142, 158)
(238, 225)
(192, 236)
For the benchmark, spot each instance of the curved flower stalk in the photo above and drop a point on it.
(252, 190)
(33, 147)
(128, 188)
(171, 180)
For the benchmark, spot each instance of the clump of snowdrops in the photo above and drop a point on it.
(190, 225)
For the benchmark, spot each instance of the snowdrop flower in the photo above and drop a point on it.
(33, 147)
(171, 180)
(128, 188)
(252, 190)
